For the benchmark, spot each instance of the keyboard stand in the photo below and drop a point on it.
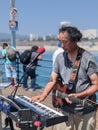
(24, 119)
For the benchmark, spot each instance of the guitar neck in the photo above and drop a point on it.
(73, 99)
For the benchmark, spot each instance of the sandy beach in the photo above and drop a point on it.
(49, 45)
(53, 48)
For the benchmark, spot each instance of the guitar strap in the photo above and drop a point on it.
(75, 68)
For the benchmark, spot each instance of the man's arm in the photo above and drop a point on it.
(91, 89)
(39, 57)
(49, 86)
(3, 54)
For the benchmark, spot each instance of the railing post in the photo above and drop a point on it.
(17, 63)
(1, 80)
(13, 23)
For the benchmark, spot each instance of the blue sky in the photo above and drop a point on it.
(44, 16)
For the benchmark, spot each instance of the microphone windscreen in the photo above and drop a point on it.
(41, 50)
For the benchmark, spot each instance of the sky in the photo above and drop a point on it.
(43, 17)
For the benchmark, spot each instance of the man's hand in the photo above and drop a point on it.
(68, 100)
(71, 98)
(38, 98)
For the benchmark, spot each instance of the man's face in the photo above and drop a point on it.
(67, 45)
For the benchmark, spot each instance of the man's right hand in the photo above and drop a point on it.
(38, 98)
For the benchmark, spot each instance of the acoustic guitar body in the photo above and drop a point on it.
(57, 101)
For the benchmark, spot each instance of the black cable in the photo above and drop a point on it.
(8, 121)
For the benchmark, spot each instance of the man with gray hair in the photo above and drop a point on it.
(81, 84)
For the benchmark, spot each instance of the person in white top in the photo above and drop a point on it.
(58, 51)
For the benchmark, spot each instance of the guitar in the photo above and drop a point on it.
(60, 92)
(57, 101)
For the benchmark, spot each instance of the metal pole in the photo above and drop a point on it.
(13, 32)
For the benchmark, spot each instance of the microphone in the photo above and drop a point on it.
(41, 50)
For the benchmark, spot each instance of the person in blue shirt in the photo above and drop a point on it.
(10, 66)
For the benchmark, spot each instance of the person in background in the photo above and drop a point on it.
(10, 66)
(31, 71)
(80, 117)
(58, 51)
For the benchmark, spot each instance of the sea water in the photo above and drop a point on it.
(43, 69)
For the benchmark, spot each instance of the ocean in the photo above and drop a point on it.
(43, 70)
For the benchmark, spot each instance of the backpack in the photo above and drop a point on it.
(25, 57)
(11, 53)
